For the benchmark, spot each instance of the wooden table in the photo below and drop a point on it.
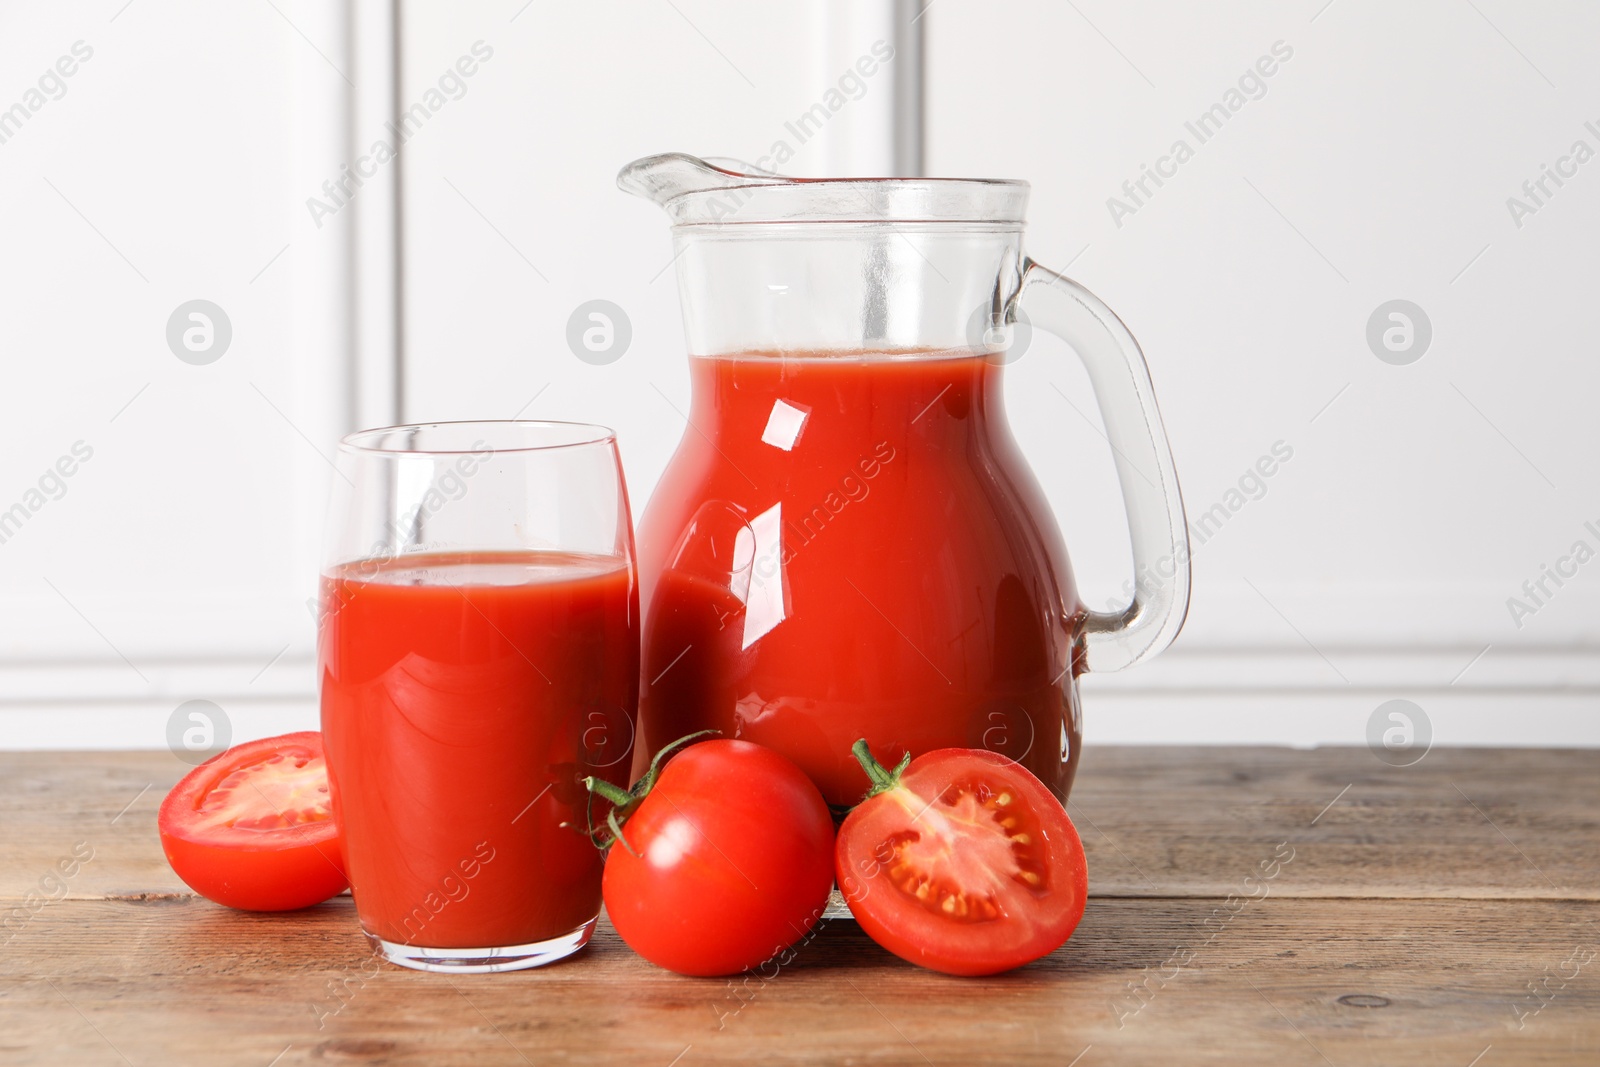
(1439, 914)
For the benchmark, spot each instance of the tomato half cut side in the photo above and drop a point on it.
(252, 828)
(962, 862)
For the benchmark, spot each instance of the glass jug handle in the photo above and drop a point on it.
(1117, 639)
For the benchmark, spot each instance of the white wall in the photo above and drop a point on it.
(1376, 166)
(177, 561)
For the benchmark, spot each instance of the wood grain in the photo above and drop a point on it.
(1465, 822)
(181, 981)
(1156, 821)
(51, 802)
(1428, 915)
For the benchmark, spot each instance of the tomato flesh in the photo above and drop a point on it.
(968, 865)
(728, 861)
(252, 828)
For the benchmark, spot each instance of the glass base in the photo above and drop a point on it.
(836, 908)
(483, 960)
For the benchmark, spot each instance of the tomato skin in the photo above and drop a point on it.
(877, 863)
(734, 861)
(276, 869)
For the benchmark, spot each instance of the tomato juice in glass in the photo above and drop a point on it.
(848, 546)
(466, 694)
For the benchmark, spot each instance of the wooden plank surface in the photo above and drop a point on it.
(1155, 821)
(1466, 822)
(174, 980)
(1404, 926)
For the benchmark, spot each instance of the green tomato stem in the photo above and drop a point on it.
(882, 779)
(625, 801)
(614, 793)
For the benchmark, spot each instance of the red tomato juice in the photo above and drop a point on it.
(851, 545)
(464, 699)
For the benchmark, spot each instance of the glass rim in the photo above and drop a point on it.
(729, 192)
(720, 191)
(581, 434)
(935, 203)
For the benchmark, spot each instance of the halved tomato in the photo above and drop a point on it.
(962, 861)
(252, 828)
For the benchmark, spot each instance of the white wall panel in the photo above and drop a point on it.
(1374, 164)
(173, 167)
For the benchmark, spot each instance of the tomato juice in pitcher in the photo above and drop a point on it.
(886, 577)
(847, 542)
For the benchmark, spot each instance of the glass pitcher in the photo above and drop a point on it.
(847, 542)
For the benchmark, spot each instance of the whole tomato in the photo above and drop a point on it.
(720, 860)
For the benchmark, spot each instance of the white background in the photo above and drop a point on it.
(1376, 166)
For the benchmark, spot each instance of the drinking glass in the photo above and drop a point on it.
(479, 657)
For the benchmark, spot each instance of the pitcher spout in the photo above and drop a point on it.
(665, 177)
